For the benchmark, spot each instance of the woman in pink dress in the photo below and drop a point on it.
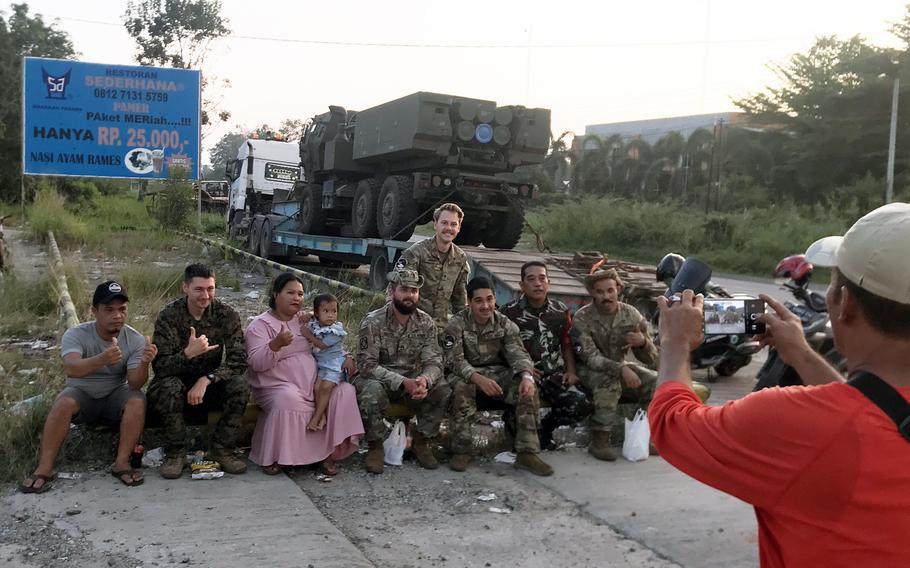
(282, 373)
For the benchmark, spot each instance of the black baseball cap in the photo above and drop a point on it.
(108, 291)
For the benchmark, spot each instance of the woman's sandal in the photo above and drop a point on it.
(273, 469)
(329, 470)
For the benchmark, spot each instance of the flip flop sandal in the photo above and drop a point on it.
(329, 472)
(128, 473)
(47, 479)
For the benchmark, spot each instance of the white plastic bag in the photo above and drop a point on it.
(395, 444)
(638, 437)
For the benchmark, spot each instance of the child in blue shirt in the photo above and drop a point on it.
(326, 334)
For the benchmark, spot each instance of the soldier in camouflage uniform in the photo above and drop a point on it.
(484, 351)
(201, 362)
(544, 325)
(604, 332)
(400, 361)
(443, 265)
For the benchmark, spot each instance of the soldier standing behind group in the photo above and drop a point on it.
(484, 351)
(400, 361)
(604, 332)
(201, 362)
(443, 265)
(544, 325)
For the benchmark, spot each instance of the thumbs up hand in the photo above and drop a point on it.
(149, 352)
(112, 355)
(197, 345)
(283, 339)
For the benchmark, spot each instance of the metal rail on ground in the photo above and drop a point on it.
(315, 278)
(68, 310)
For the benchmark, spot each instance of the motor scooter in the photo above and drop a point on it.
(812, 312)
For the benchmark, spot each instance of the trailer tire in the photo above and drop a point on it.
(397, 210)
(379, 267)
(504, 230)
(363, 210)
(233, 225)
(312, 216)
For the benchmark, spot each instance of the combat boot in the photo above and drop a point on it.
(422, 448)
(600, 446)
(459, 462)
(532, 463)
(172, 468)
(375, 459)
(228, 461)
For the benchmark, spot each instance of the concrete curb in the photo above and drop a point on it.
(68, 315)
(315, 278)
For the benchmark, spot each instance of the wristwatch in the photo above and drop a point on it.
(211, 377)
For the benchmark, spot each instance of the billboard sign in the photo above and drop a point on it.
(91, 119)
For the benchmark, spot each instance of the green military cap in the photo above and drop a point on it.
(405, 277)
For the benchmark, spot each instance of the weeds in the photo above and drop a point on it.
(26, 306)
(49, 213)
(749, 242)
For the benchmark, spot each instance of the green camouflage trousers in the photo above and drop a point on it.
(167, 398)
(373, 398)
(606, 390)
(464, 406)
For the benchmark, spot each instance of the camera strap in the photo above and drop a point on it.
(886, 397)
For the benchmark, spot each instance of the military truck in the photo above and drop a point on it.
(381, 171)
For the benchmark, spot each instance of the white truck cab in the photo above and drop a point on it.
(261, 167)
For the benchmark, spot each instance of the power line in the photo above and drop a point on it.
(607, 45)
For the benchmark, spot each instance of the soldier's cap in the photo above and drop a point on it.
(107, 292)
(405, 277)
(602, 274)
(872, 253)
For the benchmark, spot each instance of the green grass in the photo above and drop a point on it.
(28, 310)
(747, 242)
(49, 213)
(27, 307)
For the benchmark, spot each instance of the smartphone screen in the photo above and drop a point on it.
(728, 316)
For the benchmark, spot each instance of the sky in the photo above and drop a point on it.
(589, 62)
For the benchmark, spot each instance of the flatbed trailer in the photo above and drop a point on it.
(274, 236)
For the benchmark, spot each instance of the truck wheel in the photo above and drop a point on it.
(363, 210)
(379, 267)
(265, 239)
(471, 233)
(312, 217)
(504, 230)
(397, 209)
(252, 243)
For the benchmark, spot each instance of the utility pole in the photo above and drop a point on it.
(892, 143)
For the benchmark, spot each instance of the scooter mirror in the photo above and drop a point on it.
(693, 275)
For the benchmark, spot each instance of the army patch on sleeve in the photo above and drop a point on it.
(448, 342)
(401, 264)
(364, 342)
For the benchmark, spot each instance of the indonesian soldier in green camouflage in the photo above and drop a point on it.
(604, 333)
(201, 362)
(443, 265)
(544, 325)
(400, 361)
(483, 350)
